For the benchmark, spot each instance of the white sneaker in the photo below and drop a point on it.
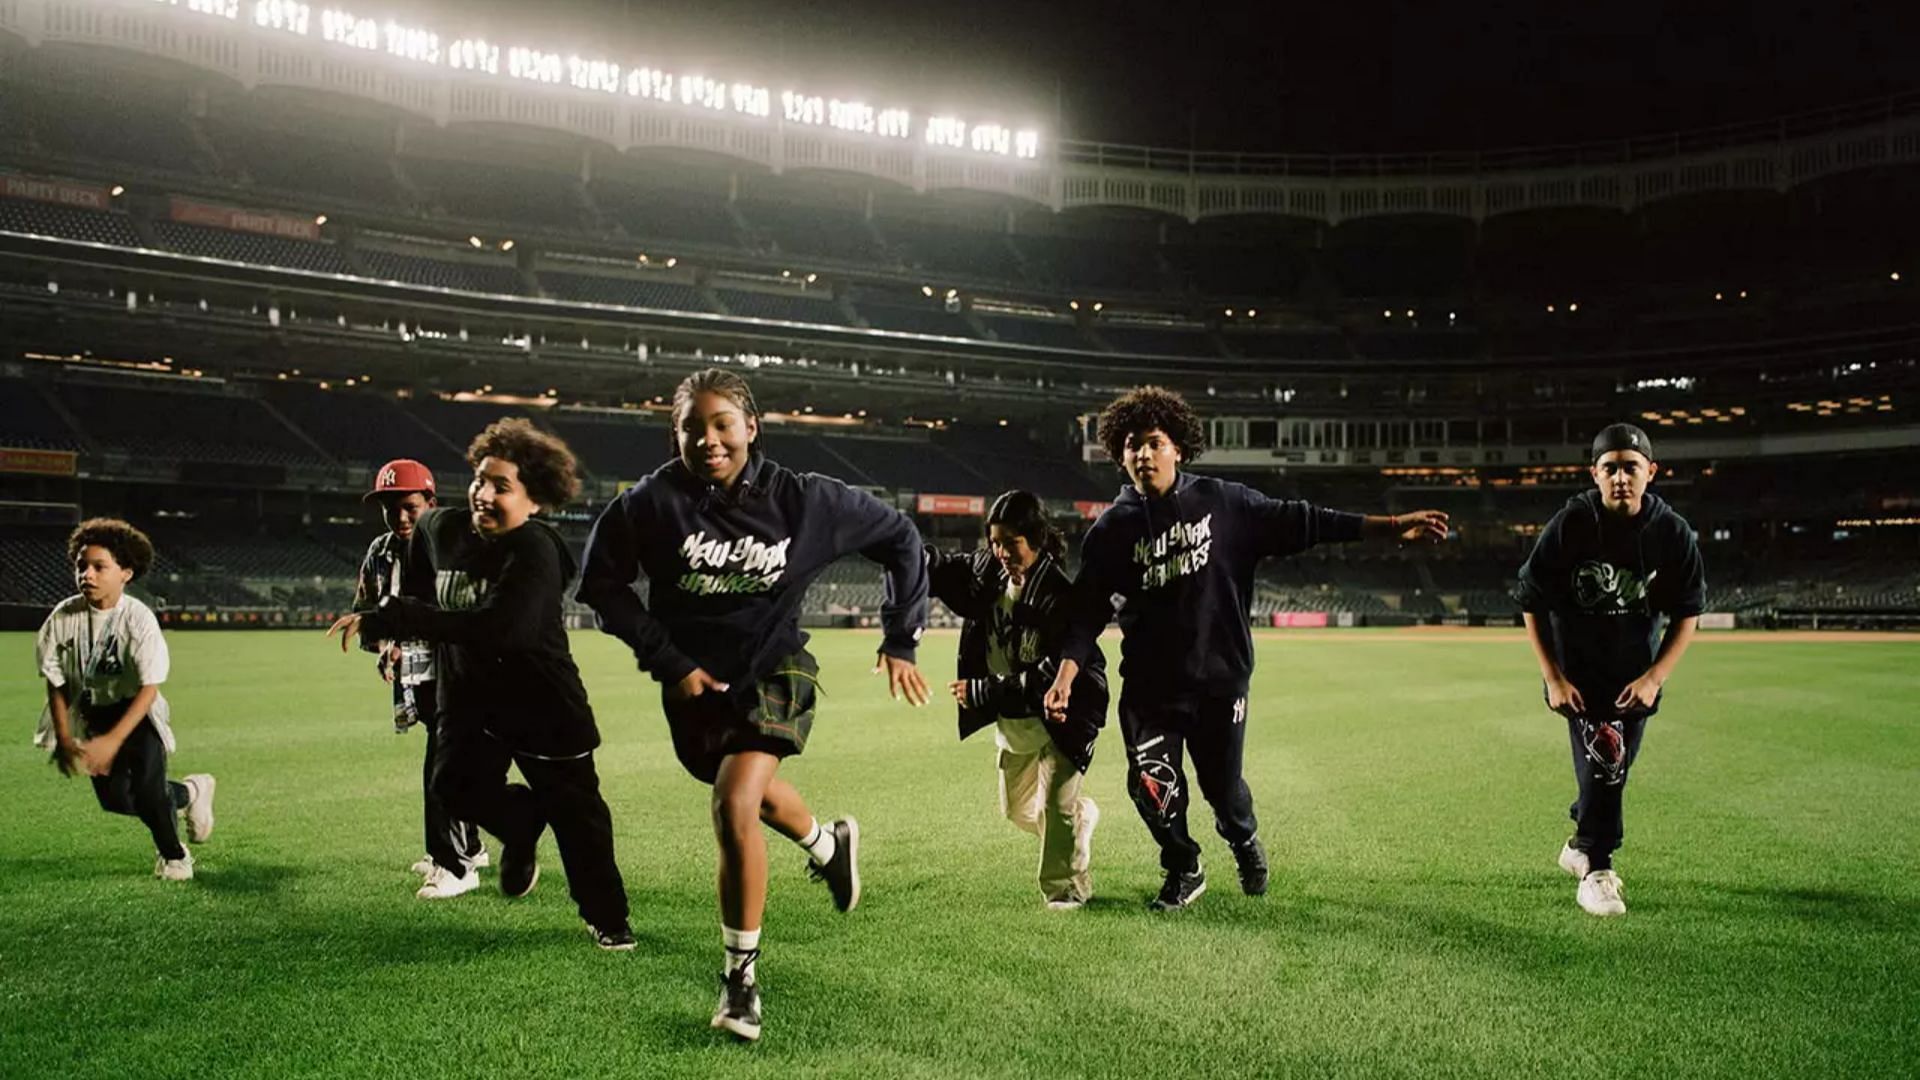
(482, 859)
(442, 885)
(1573, 860)
(1072, 903)
(199, 807)
(1600, 894)
(180, 869)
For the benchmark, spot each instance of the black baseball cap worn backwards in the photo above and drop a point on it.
(1621, 437)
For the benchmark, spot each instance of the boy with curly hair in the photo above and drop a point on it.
(1173, 560)
(104, 660)
(485, 586)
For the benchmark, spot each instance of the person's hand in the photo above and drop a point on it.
(696, 683)
(1421, 526)
(1564, 698)
(903, 678)
(346, 626)
(1055, 703)
(97, 754)
(389, 662)
(958, 688)
(69, 757)
(1639, 695)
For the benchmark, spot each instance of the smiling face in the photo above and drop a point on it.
(1622, 477)
(716, 437)
(500, 503)
(100, 576)
(1152, 461)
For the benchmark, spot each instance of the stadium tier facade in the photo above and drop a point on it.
(246, 255)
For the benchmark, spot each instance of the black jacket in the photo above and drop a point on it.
(492, 608)
(1608, 585)
(727, 570)
(1177, 571)
(972, 585)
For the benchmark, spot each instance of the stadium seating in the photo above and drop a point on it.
(800, 231)
(1157, 341)
(251, 248)
(365, 429)
(656, 216)
(798, 307)
(914, 319)
(499, 191)
(481, 277)
(1046, 334)
(307, 155)
(623, 291)
(67, 222)
(156, 422)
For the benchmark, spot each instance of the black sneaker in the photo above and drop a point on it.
(519, 868)
(842, 872)
(1253, 866)
(618, 939)
(1181, 890)
(739, 1009)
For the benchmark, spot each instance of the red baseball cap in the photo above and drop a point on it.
(401, 476)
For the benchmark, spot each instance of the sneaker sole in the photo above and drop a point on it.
(531, 882)
(428, 893)
(853, 875)
(738, 1028)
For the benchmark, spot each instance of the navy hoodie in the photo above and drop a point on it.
(1608, 584)
(727, 570)
(492, 608)
(1177, 571)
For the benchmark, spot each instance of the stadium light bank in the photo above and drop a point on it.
(342, 28)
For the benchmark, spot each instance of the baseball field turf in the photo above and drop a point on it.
(1411, 787)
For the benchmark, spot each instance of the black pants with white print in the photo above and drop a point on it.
(470, 776)
(452, 844)
(1213, 731)
(1597, 829)
(137, 785)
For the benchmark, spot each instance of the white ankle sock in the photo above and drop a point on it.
(819, 844)
(743, 949)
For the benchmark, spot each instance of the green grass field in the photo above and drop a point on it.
(1412, 791)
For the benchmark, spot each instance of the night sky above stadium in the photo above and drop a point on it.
(1352, 76)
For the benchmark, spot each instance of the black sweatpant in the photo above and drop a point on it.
(1214, 732)
(452, 844)
(1597, 828)
(137, 785)
(470, 777)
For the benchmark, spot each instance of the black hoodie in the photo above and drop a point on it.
(727, 570)
(492, 608)
(1607, 584)
(972, 586)
(1177, 571)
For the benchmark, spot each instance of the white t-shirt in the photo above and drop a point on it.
(1017, 735)
(109, 655)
